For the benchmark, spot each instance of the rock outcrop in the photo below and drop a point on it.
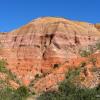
(36, 47)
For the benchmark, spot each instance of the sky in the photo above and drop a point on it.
(16, 13)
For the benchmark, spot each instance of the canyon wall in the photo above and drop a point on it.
(44, 42)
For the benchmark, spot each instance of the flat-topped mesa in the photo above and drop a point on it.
(37, 46)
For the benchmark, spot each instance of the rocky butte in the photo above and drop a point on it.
(45, 48)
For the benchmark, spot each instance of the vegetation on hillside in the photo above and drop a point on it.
(8, 72)
(69, 91)
(6, 91)
(85, 52)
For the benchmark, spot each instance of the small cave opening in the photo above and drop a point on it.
(89, 38)
(56, 66)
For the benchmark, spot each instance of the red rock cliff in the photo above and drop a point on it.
(37, 46)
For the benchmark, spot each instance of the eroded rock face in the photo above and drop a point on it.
(37, 46)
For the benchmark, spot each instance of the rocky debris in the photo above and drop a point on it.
(2, 76)
(91, 81)
(5, 81)
(14, 84)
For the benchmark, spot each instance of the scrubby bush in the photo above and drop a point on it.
(72, 73)
(93, 61)
(8, 93)
(2, 66)
(49, 96)
(8, 72)
(85, 53)
(21, 93)
(98, 45)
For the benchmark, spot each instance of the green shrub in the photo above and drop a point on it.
(49, 96)
(98, 45)
(8, 93)
(2, 66)
(21, 93)
(85, 53)
(72, 73)
(10, 75)
(93, 61)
